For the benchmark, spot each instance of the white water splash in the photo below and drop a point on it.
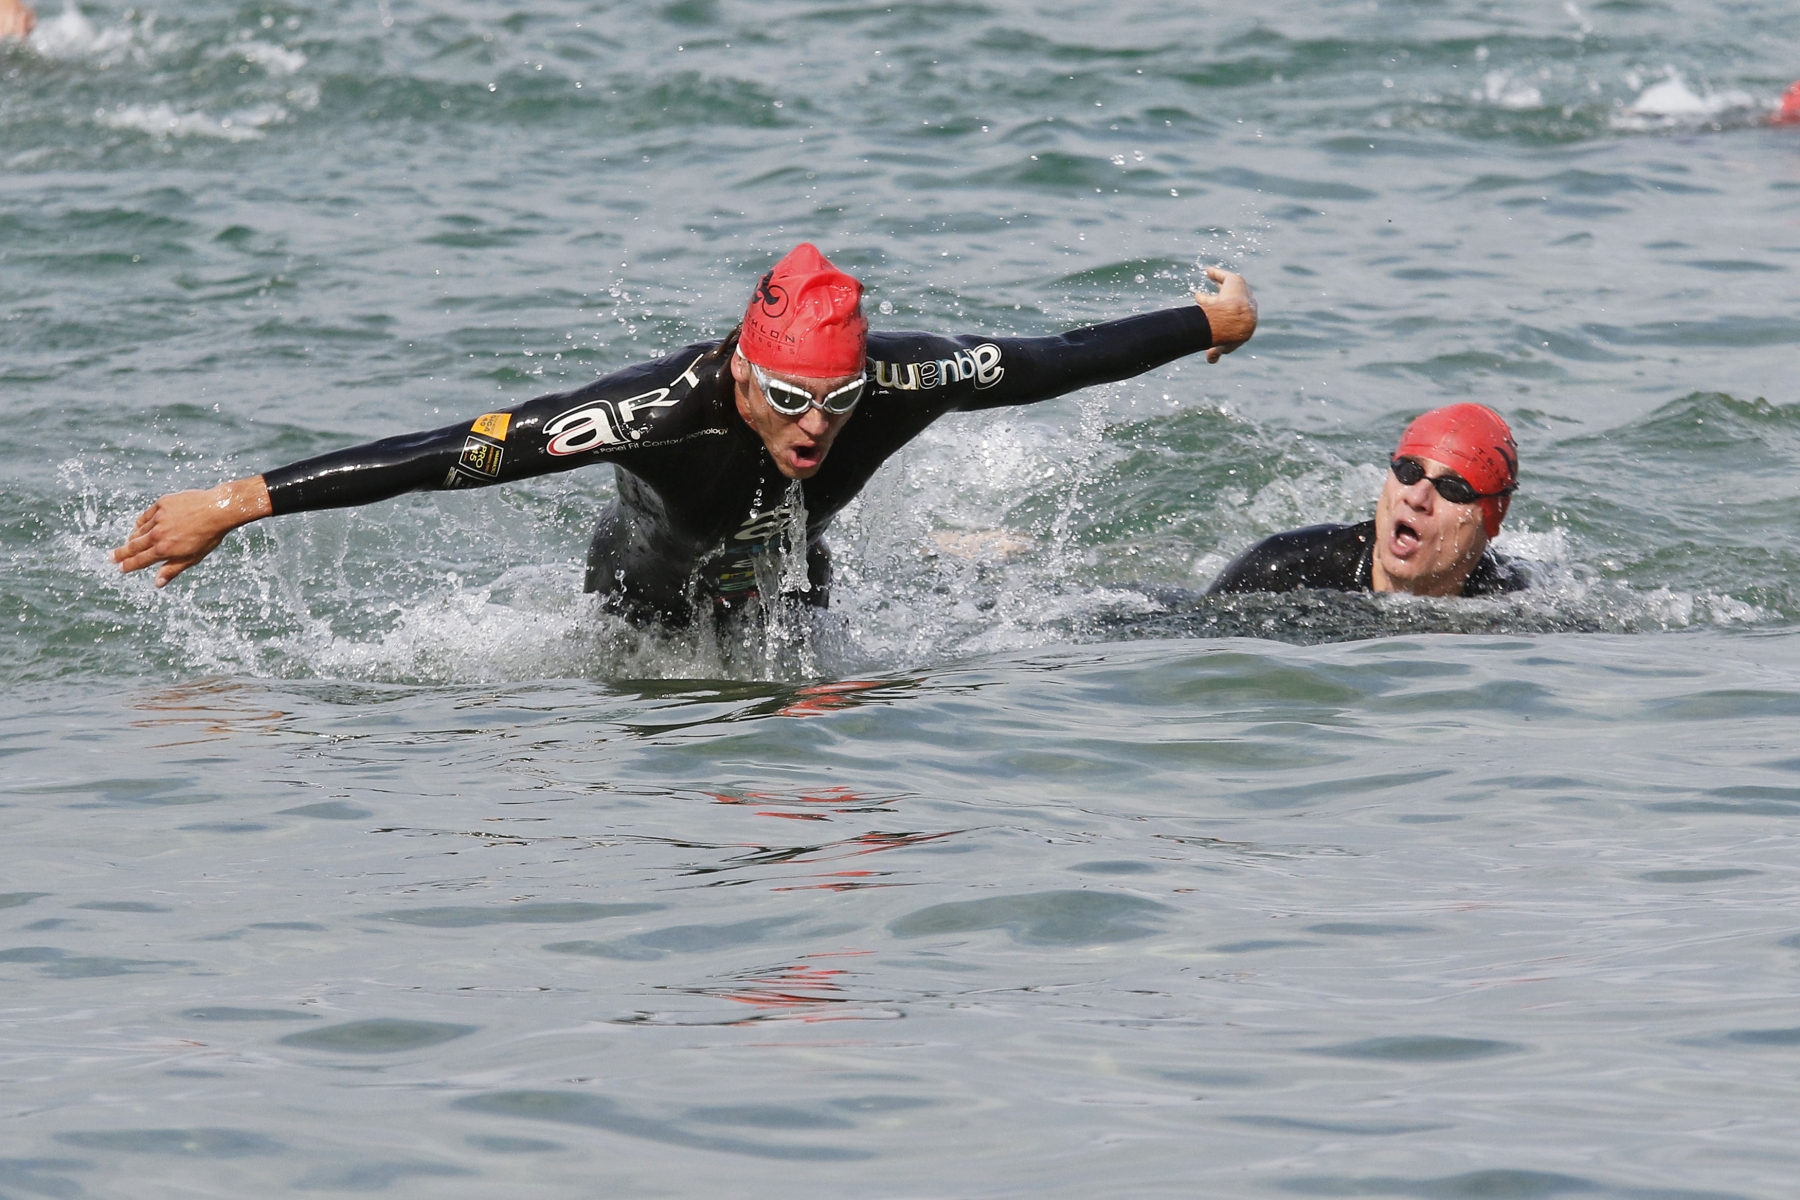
(1325, 494)
(69, 35)
(1499, 88)
(276, 60)
(1672, 104)
(162, 121)
(784, 637)
(532, 622)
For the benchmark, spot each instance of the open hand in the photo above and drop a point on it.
(184, 527)
(1231, 313)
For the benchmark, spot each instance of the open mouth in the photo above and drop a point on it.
(1406, 538)
(806, 456)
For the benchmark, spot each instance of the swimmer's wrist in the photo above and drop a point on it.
(241, 501)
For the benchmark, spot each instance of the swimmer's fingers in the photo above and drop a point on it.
(139, 540)
(173, 564)
(174, 567)
(171, 567)
(1231, 313)
(135, 555)
(130, 555)
(1229, 282)
(184, 527)
(176, 549)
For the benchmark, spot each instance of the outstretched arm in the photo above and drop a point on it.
(184, 527)
(641, 407)
(977, 373)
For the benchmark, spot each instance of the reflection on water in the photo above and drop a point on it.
(1398, 899)
(209, 709)
(809, 990)
(825, 697)
(874, 842)
(841, 800)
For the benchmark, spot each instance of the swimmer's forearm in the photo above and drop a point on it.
(366, 474)
(1034, 369)
(1041, 368)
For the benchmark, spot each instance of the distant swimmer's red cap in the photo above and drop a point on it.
(1788, 112)
(806, 319)
(1474, 441)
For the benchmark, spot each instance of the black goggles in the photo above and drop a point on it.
(1453, 488)
(792, 400)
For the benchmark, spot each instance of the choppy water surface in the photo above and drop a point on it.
(370, 857)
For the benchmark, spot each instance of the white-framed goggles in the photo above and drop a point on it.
(792, 400)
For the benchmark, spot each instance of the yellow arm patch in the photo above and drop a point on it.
(492, 425)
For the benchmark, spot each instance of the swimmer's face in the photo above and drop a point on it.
(797, 444)
(1423, 543)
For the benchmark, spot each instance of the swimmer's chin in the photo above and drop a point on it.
(796, 463)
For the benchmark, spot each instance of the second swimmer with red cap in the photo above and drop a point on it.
(724, 449)
(1449, 483)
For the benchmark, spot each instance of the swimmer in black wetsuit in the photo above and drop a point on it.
(721, 448)
(1451, 481)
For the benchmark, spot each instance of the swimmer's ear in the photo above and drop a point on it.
(740, 370)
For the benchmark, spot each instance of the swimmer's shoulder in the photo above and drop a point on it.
(639, 405)
(1327, 557)
(1497, 575)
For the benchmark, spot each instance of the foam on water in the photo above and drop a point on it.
(1500, 88)
(69, 35)
(277, 60)
(163, 121)
(965, 546)
(1671, 104)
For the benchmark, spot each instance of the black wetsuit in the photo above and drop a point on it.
(1340, 558)
(699, 497)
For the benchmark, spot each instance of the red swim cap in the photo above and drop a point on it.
(1789, 111)
(1474, 441)
(805, 318)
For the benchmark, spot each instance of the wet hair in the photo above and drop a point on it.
(719, 357)
(724, 349)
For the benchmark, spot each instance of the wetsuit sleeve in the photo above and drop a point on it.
(1047, 367)
(972, 372)
(650, 405)
(364, 474)
(1328, 557)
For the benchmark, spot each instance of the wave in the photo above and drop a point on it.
(1024, 537)
(1670, 104)
(70, 36)
(163, 121)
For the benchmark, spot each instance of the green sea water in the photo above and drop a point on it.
(370, 856)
